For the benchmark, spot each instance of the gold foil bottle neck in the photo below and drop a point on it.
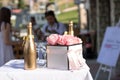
(30, 24)
(65, 33)
(71, 23)
(71, 31)
(30, 28)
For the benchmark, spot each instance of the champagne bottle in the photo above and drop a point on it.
(71, 31)
(29, 50)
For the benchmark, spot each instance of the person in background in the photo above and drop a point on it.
(34, 24)
(52, 26)
(35, 27)
(6, 43)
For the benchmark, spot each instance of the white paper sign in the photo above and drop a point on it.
(110, 48)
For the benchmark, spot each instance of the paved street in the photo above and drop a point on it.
(94, 67)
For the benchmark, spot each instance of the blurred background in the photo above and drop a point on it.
(90, 17)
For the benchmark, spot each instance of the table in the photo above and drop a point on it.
(14, 70)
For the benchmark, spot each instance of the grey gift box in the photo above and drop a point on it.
(57, 56)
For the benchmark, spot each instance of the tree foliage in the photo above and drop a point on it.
(21, 4)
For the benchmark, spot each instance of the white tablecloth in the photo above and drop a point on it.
(14, 70)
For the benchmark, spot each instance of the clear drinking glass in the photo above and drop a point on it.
(41, 53)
